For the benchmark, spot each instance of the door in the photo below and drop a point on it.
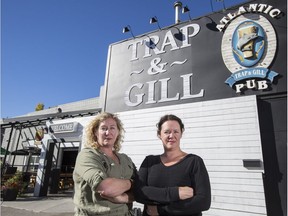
(273, 128)
(67, 167)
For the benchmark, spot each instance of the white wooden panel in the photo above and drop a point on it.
(225, 212)
(237, 175)
(237, 194)
(231, 187)
(244, 208)
(222, 144)
(236, 200)
(236, 181)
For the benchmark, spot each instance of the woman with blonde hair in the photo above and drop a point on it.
(102, 176)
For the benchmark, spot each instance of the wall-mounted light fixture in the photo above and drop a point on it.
(59, 110)
(154, 20)
(186, 10)
(223, 2)
(211, 5)
(128, 29)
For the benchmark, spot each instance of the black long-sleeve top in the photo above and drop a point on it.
(158, 184)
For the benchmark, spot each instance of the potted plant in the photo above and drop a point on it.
(12, 187)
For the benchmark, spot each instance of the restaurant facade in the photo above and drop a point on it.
(225, 76)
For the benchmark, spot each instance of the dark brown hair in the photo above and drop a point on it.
(169, 117)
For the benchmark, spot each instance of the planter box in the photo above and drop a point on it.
(10, 194)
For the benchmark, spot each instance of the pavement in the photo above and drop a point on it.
(56, 204)
(27, 204)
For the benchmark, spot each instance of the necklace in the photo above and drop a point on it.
(113, 156)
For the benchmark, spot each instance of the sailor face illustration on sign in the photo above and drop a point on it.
(248, 43)
(248, 48)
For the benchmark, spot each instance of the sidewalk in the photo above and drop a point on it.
(55, 203)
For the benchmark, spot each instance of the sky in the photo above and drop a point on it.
(55, 51)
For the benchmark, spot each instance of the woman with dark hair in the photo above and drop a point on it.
(175, 182)
(103, 176)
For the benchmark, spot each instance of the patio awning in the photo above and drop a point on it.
(27, 151)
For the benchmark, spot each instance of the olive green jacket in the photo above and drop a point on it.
(92, 166)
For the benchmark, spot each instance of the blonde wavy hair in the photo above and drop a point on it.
(92, 139)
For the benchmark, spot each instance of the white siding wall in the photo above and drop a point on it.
(223, 132)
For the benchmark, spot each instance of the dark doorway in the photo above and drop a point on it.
(67, 168)
(273, 127)
(69, 159)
